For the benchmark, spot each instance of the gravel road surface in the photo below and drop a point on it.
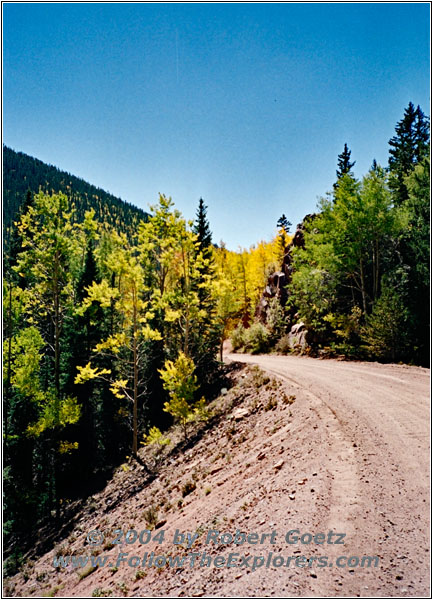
(378, 449)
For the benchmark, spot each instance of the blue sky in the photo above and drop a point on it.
(246, 105)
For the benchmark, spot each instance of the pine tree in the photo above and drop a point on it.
(408, 147)
(202, 229)
(206, 335)
(283, 225)
(82, 333)
(422, 135)
(384, 331)
(410, 182)
(344, 164)
(415, 254)
(204, 247)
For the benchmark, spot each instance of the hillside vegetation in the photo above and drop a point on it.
(23, 174)
(359, 279)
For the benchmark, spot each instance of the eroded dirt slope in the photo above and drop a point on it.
(313, 445)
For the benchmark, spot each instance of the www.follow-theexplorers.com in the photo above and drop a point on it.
(213, 540)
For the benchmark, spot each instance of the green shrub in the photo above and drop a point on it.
(100, 593)
(155, 437)
(179, 381)
(384, 334)
(188, 488)
(238, 337)
(151, 516)
(283, 345)
(257, 338)
(347, 329)
(276, 319)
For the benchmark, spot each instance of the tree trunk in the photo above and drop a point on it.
(135, 407)
(377, 271)
(57, 326)
(222, 342)
(8, 378)
(186, 342)
(363, 293)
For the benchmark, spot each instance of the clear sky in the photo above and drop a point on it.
(246, 105)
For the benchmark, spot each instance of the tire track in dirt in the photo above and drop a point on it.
(341, 465)
(379, 460)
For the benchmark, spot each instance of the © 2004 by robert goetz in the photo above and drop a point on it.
(215, 538)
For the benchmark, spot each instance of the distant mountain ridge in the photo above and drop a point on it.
(22, 173)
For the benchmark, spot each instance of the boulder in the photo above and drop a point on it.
(298, 336)
(297, 328)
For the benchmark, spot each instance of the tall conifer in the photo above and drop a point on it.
(344, 165)
(408, 147)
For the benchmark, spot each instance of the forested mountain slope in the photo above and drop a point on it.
(22, 173)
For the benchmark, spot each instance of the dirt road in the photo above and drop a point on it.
(377, 419)
(314, 446)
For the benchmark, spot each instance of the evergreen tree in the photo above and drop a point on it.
(283, 225)
(384, 332)
(202, 229)
(408, 147)
(410, 182)
(414, 249)
(206, 335)
(344, 165)
(82, 333)
(422, 135)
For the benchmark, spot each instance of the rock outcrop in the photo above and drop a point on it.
(276, 286)
(298, 337)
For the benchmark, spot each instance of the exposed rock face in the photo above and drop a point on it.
(277, 282)
(298, 336)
